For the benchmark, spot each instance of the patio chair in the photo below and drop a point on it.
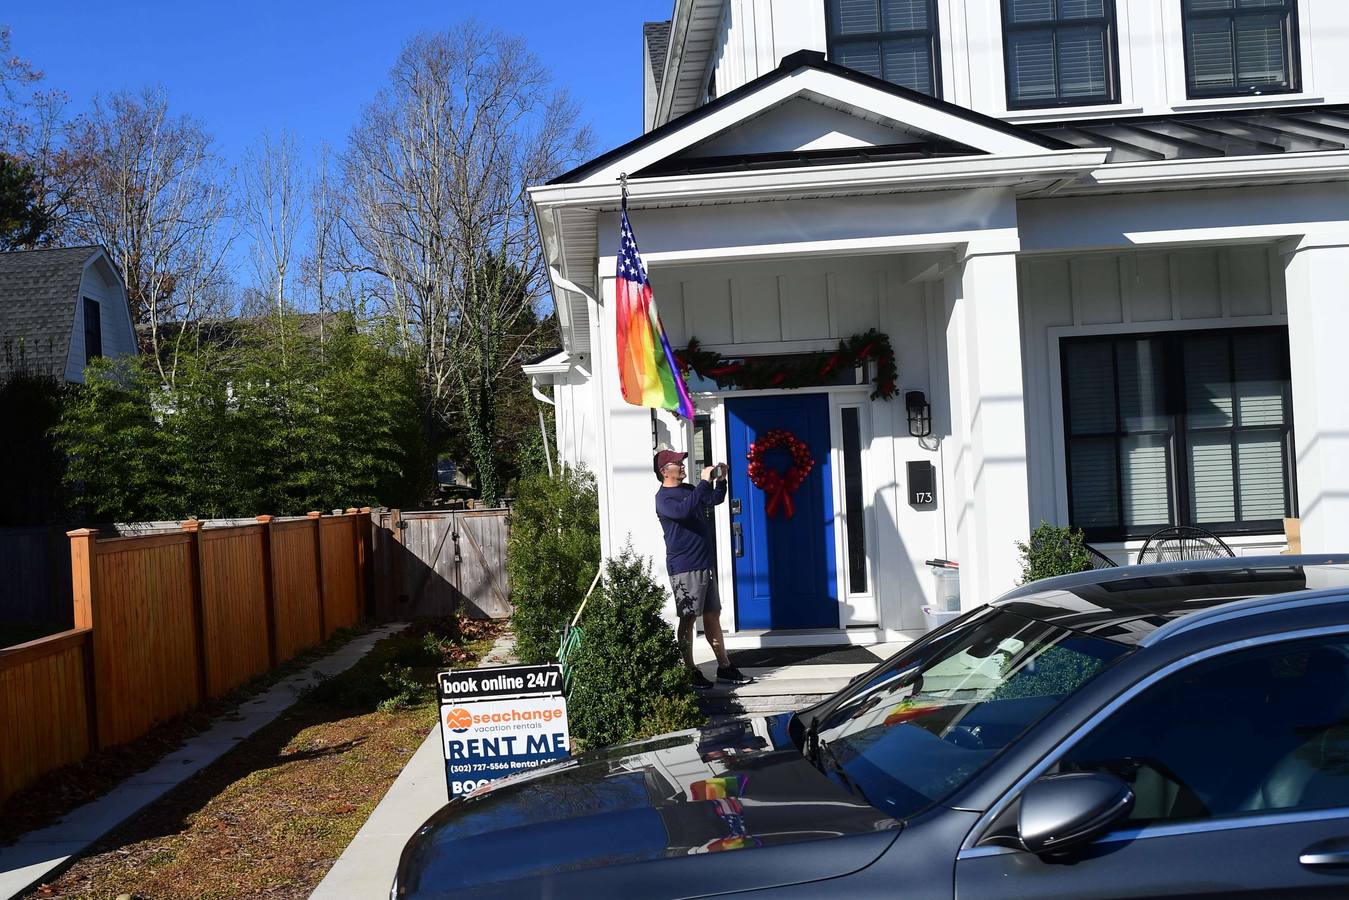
(1098, 559)
(1178, 543)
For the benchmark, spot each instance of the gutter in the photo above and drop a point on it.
(857, 178)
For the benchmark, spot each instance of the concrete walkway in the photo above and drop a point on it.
(366, 868)
(784, 688)
(38, 854)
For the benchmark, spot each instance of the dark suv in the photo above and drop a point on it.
(1167, 730)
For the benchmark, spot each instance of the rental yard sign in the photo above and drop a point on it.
(499, 721)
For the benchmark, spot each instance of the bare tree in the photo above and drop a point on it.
(436, 173)
(156, 197)
(273, 206)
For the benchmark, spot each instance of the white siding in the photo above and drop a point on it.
(119, 337)
(1143, 291)
(756, 34)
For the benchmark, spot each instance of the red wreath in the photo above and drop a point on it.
(779, 486)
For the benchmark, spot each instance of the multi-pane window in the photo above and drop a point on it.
(93, 331)
(1240, 47)
(1059, 52)
(1185, 428)
(891, 39)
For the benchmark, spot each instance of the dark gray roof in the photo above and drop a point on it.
(1301, 129)
(657, 37)
(38, 292)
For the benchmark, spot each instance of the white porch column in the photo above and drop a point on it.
(1316, 267)
(990, 510)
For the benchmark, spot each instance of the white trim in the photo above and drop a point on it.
(1275, 167)
(1044, 166)
(861, 608)
(1055, 335)
(1124, 55)
(810, 83)
(1173, 63)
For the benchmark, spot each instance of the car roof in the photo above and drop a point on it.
(1143, 605)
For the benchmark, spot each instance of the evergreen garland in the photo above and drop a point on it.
(801, 370)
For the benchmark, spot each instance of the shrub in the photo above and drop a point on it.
(551, 557)
(628, 679)
(1053, 550)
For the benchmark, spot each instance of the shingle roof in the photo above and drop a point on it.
(38, 291)
(657, 37)
(1303, 129)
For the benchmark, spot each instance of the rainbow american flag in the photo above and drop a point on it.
(647, 371)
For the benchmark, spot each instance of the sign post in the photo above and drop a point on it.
(498, 721)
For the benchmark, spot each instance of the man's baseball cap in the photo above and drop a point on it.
(665, 457)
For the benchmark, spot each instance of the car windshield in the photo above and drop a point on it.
(923, 724)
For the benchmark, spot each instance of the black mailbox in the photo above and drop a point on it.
(922, 484)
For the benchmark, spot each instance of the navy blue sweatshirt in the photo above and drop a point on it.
(688, 534)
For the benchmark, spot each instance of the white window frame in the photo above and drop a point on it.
(1177, 89)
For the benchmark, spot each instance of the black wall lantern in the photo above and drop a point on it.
(920, 414)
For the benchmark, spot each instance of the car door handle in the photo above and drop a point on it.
(1326, 854)
(737, 539)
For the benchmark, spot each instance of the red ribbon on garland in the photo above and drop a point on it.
(779, 486)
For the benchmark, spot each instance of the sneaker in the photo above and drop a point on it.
(699, 680)
(732, 675)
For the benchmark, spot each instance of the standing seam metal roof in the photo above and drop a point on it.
(1273, 130)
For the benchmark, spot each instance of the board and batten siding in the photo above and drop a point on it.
(1117, 293)
(802, 305)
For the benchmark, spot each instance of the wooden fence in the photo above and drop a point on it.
(164, 621)
(437, 562)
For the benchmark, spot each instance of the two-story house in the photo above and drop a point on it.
(1108, 241)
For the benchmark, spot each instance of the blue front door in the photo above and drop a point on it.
(784, 566)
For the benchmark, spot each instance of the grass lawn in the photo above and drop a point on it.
(271, 817)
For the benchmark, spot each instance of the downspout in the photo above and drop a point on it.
(543, 425)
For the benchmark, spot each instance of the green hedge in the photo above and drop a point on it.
(1053, 550)
(628, 679)
(552, 555)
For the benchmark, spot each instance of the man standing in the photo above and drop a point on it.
(688, 558)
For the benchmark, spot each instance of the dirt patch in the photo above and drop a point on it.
(271, 817)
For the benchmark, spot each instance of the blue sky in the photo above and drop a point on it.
(310, 66)
(245, 67)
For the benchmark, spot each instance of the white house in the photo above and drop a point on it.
(59, 309)
(1108, 241)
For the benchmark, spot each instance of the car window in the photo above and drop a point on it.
(1253, 731)
(926, 723)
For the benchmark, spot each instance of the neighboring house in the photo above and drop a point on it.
(60, 309)
(1108, 240)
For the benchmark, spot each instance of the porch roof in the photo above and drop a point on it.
(1209, 135)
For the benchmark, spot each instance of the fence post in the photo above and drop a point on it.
(357, 573)
(193, 529)
(268, 589)
(364, 526)
(84, 599)
(318, 572)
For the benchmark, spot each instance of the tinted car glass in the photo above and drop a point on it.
(924, 725)
(1255, 731)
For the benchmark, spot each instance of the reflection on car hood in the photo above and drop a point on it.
(684, 805)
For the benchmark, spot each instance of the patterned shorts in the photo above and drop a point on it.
(695, 593)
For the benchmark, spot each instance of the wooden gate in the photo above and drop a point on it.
(437, 562)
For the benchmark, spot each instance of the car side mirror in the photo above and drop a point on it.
(1060, 811)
